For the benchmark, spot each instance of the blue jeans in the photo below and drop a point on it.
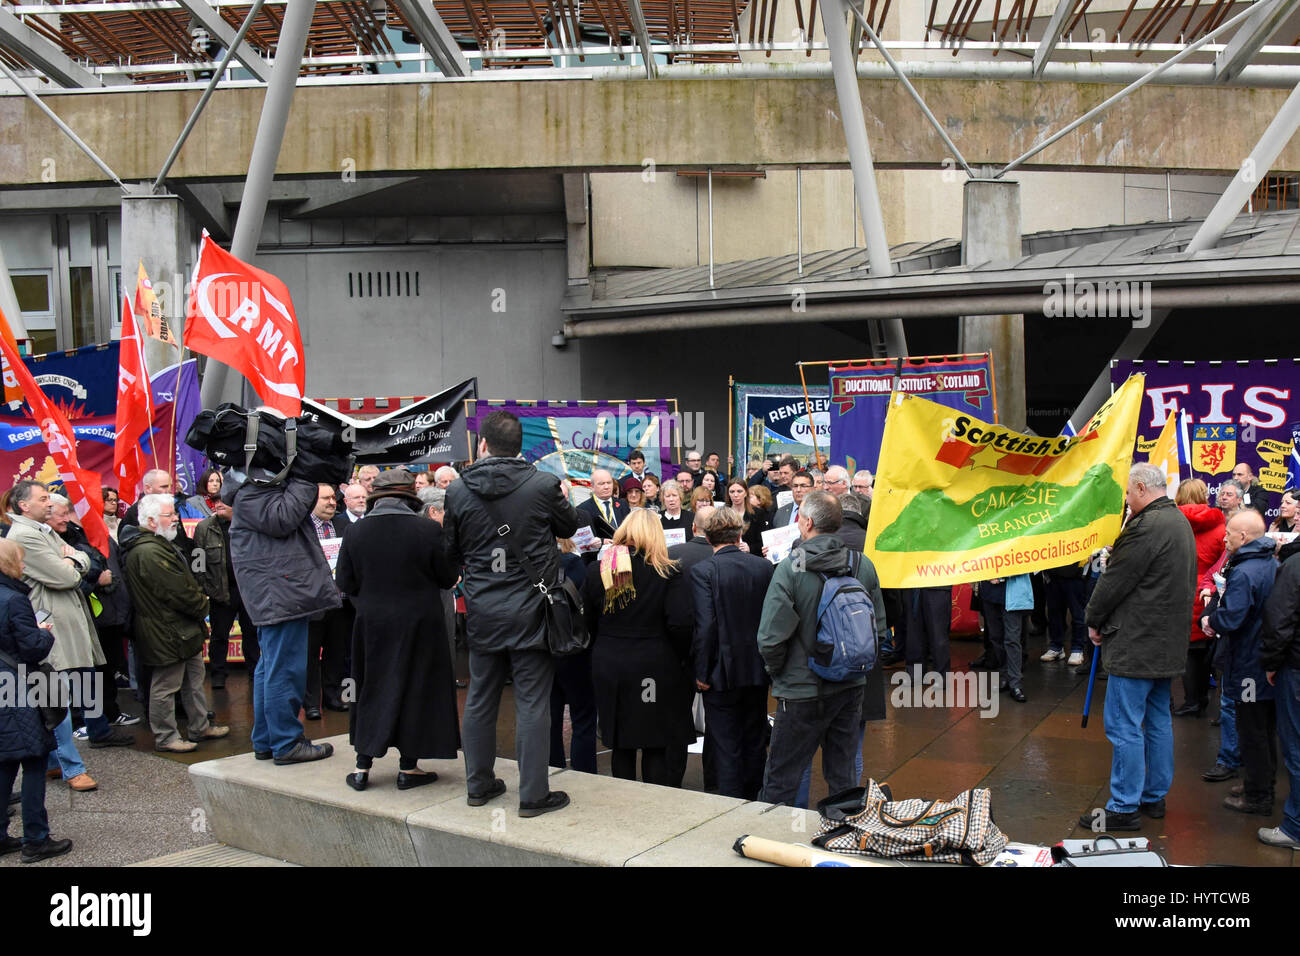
(36, 825)
(279, 686)
(805, 783)
(65, 756)
(97, 727)
(1229, 751)
(1288, 736)
(1140, 729)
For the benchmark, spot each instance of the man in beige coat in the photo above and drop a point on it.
(54, 570)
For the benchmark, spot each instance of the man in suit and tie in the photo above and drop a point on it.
(800, 485)
(636, 461)
(602, 511)
(688, 554)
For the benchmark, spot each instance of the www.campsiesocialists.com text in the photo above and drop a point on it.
(996, 562)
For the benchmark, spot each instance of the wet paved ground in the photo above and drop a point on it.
(1042, 767)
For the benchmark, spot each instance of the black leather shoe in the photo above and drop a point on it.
(335, 705)
(1218, 773)
(262, 754)
(478, 799)
(1155, 810)
(1108, 821)
(312, 713)
(409, 781)
(10, 845)
(1243, 804)
(34, 853)
(555, 800)
(1190, 710)
(218, 681)
(357, 781)
(114, 738)
(1018, 695)
(304, 751)
(980, 662)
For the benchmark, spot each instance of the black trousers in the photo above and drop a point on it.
(1196, 674)
(735, 723)
(327, 643)
(573, 686)
(1257, 738)
(802, 726)
(929, 618)
(222, 617)
(654, 765)
(1066, 594)
(678, 756)
(111, 639)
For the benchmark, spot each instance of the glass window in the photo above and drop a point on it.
(82, 286)
(33, 291)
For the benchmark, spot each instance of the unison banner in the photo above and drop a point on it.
(775, 420)
(957, 499)
(430, 430)
(860, 393)
(1236, 411)
(572, 439)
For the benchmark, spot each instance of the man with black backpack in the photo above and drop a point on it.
(821, 616)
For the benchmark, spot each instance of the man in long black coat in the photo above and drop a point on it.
(392, 565)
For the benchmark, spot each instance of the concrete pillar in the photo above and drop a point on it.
(155, 231)
(578, 228)
(991, 231)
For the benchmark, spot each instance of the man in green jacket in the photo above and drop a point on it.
(810, 712)
(1139, 614)
(169, 629)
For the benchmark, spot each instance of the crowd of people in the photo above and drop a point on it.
(347, 600)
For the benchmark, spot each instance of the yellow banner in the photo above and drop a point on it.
(957, 499)
(1164, 453)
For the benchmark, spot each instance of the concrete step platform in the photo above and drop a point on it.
(308, 815)
(214, 854)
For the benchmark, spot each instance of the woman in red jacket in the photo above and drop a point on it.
(1207, 524)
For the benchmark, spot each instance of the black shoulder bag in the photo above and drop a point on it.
(566, 624)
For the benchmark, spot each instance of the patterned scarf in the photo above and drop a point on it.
(616, 575)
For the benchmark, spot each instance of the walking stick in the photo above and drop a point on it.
(1092, 681)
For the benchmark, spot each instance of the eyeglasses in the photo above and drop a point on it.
(801, 484)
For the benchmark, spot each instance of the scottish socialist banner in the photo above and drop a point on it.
(957, 499)
(1236, 412)
(859, 398)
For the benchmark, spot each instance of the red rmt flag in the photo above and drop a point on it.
(82, 487)
(134, 407)
(242, 316)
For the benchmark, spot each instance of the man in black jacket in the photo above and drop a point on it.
(729, 672)
(1255, 496)
(688, 554)
(602, 512)
(504, 609)
(216, 575)
(1279, 654)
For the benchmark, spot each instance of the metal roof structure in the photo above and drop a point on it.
(1257, 260)
(93, 43)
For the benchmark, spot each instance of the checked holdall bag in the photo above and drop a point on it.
(868, 821)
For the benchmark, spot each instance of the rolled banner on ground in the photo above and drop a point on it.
(794, 854)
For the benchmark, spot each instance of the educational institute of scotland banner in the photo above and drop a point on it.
(860, 398)
(957, 499)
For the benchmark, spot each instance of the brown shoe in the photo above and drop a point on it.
(212, 733)
(82, 783)
(178, 746)
(54, 774)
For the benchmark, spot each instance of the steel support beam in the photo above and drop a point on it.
(428, 26)
(1055, 27)
(642, 33)
(221, 383)
(1265, 19)
(224, 34)
(1261, 159)
(864, 174)
(32, 48)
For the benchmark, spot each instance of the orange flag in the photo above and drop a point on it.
(134, 407)
(12, 392)
(155, 324)
(82, 486)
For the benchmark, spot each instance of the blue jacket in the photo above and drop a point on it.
(728, 594)
(22, 732)
(1239, 614)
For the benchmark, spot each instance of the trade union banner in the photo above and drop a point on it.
(774, 420)
(424, 432)
(573, 439)
(859, 398)
(1236, 412)
(957, 499)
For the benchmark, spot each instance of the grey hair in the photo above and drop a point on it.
(435, 498)
(443, 469)
(864, 474)
(56, 499)
(1148, 474)
(821, 508)
(853, 503)
(721, 526)
(150, 507)
(1231, 483)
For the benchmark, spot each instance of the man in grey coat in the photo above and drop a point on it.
(502, 493)
(1139, 614)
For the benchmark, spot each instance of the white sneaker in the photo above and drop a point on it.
(81, 733)
(1076, 658)
(126, 720)
(1274, 836)
(1052, 654)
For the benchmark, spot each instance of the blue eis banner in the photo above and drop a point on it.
(859, 396)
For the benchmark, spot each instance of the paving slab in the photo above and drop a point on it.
(710, 843)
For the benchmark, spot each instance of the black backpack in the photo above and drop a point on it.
(270, 449)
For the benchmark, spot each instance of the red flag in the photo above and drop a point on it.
(82, 487)
(242, 316)
(134, 407)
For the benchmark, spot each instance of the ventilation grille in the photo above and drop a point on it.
(381, 285)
